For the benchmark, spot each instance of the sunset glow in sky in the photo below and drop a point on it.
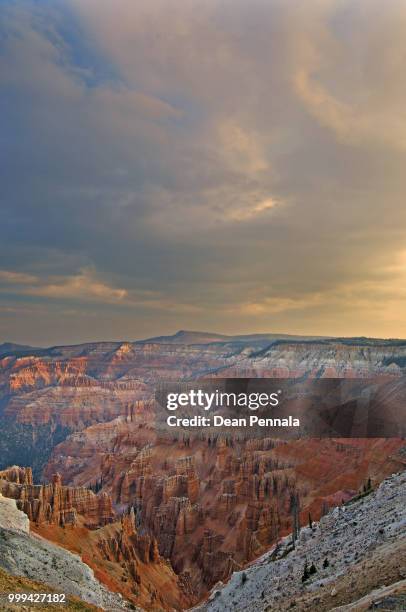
(233, 166)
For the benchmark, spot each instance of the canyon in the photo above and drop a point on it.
(159, 517)
(77, 519)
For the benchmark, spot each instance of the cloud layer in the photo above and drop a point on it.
(224, 164)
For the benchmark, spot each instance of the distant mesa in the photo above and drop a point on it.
(11, 348)
(188, 337)
(200, 337)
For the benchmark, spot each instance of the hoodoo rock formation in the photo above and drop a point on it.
(213, 506)
(54, 503)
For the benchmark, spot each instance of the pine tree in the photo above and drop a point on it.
(305, 574)
(294, 508)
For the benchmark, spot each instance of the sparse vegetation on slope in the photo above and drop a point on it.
(365, 548)
(19, 584)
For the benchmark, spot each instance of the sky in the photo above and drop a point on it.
(233, 166)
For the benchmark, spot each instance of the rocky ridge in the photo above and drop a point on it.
(11, 517)
(354, 549)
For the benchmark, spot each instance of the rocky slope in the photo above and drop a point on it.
(125, 561)
(31, 556)
(11, 517)
(28, 555)
(354, 549)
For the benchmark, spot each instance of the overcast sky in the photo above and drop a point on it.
(224, 165)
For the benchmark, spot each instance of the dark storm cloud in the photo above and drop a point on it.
(225, 165)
